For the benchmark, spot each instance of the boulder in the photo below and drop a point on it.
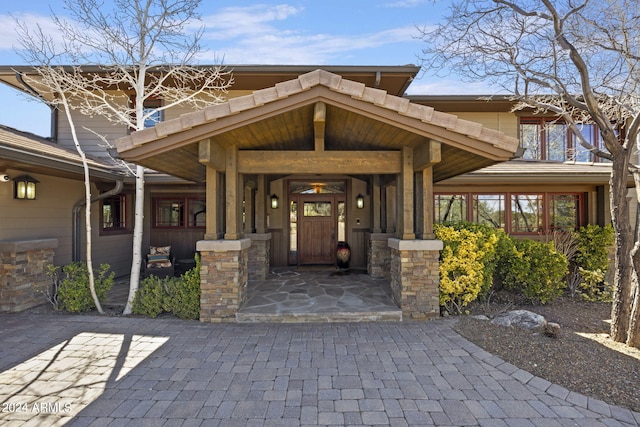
(522, 318)
(552, 330)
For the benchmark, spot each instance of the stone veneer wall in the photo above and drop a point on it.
(224, 275)
(415, 277)
(23, 273)
(379, 255)
(259, 254)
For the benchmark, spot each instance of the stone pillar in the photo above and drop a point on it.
(379, 255)
(23, 273)
(415, 277)
(224, 275)
(259, 254)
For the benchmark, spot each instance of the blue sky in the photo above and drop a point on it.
(302, 32)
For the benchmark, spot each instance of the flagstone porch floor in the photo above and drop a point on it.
(318, 295)
(307, 295)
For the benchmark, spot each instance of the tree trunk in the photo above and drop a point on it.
(625, 239)
(138, 227)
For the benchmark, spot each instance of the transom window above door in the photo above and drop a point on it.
(311, 187)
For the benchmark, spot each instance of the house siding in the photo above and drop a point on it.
(49, 216)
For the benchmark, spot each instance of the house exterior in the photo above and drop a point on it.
(301, 158)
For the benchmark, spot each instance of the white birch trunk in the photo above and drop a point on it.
(138, 227)
(87, 216)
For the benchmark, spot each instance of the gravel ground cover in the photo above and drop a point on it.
(583, 359)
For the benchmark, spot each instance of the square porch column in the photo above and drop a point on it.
(415, 277)
(224, 276)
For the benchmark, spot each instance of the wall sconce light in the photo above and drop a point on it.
(274, 201)
(359, 201)
(25, 187)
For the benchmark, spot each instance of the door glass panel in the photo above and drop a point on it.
(317, 208)
(342, 225)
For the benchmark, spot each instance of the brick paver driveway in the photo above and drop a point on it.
(90, 370)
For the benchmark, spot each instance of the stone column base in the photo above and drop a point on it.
(379, 255)
(259, 254)
(415, 277)
(223, 278)
(23, 273)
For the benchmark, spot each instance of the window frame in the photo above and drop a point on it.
(546, 214)
(572, 146)
(185, 204)
(123, 213)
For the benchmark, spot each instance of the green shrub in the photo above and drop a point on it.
(177, 295)
(73, 293)
(184, 300)
(151, 297)
(536, 271)
(466, 264)
(592, 261)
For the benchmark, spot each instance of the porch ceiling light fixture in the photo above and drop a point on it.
(359, 201)
(25, 187)
(274, 201)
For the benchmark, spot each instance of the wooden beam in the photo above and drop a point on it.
(210, 153)
(426, 155)
(338, 162)
(231, 194)
(319, 123)
(406, 195)
(424, 204)
(376, 204)
(213, 202)
(261, 208)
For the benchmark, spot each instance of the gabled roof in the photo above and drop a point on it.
(281, 118)
(32, 153)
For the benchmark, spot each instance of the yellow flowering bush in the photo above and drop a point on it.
(462, 265)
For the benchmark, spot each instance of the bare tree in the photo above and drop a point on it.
(578, 59)
(127, 54)
(51, 83)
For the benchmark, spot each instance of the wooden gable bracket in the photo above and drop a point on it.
(210, 153)
(426, 155)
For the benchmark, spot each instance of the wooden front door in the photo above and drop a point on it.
(317, 229)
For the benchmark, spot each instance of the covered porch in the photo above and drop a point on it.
(260, 154)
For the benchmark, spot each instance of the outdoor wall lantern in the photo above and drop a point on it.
(274, 201)
(25, 187)
(359, 201)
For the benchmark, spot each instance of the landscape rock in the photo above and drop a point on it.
(552, 330)
(522, 318)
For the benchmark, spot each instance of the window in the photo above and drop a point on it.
(516, 213)
(151, 106)
(450, 207)
(113, 216)
(527, 213)
(565, 213)
(489, 209)
(551, 139)
(179, 212)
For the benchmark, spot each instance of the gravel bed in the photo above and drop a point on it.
(583, 359)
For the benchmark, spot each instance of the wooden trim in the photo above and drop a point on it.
(406, 195)
(426, 155)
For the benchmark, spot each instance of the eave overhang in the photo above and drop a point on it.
(359, 119)
(30, 153)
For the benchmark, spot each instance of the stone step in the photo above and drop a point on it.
(364, 316)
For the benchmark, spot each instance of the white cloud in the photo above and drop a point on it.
(8, 28)
(256, 35)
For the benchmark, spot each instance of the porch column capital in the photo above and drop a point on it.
(416, 245)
